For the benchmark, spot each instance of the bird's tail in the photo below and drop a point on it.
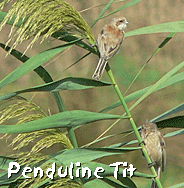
(99, 69)
(154, 184)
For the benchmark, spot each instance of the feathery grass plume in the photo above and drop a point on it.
(4, 3)
(25, 112)
(45, 162)
(47, 137)
(35, 157)
(28, 111)
(30, 159)
(19, 110)
(56, 183)
(43, 17)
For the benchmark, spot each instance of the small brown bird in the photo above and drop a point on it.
(155, 146)
(108, 42)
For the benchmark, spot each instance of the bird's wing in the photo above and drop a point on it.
(109, 42)
(163, 146)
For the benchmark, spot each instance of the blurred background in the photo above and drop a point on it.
(134, 52)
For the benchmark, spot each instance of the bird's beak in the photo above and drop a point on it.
(127, 22)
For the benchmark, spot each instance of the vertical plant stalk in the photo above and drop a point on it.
(109, 71)
(72, 136)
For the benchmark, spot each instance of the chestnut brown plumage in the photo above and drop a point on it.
(108, 42)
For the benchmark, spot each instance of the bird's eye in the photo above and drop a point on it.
(121, 21)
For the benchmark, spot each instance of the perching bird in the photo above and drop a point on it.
(108, 42)
(155, 146)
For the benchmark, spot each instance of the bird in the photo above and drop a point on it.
(155, 147)
(108, 43)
